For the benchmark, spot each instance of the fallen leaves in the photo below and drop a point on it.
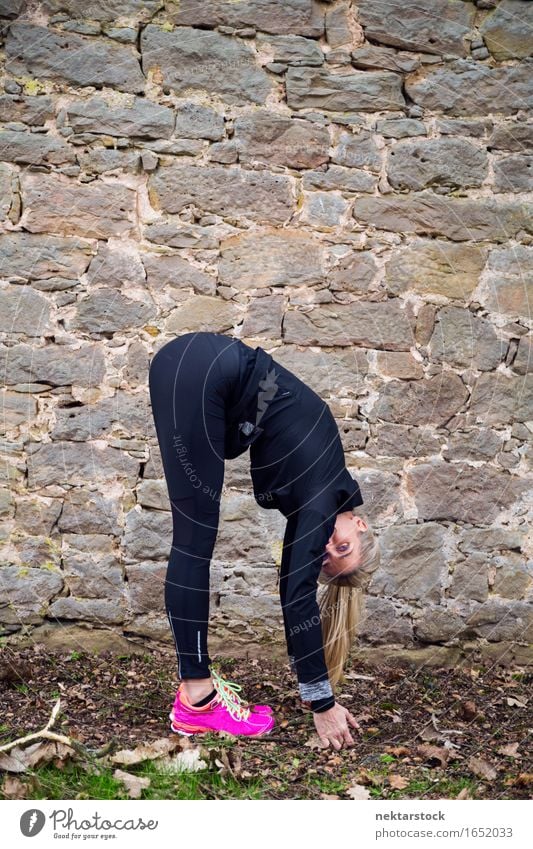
(482, 768)
(134, 784)
(358, 791)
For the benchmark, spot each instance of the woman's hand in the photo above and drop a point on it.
(332, 726)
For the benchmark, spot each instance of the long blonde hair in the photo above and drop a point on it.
(341, 603)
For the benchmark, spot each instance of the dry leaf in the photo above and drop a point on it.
(464, 794)
(358, 791)
(14, 788)
(19, 759)
(186, 761)
(134, 784)
(510, 749)
(482, 768)
(515, 702)
(315, 742)
(329, 796)
(438, 753)
(397, 750)
(398, 782)
(147, 751)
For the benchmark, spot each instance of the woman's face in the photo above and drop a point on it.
(341, 554)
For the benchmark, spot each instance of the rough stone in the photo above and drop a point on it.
(459, 492)
(454, 163)
(372, 325)
(406, 23)
(200, 60)
(436, 267)
(229, 192)
(38, 51)
(271, 257)
(362, 91)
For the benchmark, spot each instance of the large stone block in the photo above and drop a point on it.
(460, 492)
(202, 60)
(454, 163)
(459, 219)
(382, 325)
(271, 257)
(466, 87)
(362, 91)
(438, 27)
(229, 192)
(37, 51)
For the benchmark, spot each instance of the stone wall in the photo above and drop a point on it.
(347, 185)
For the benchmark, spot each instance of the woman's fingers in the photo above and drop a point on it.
(352, 720)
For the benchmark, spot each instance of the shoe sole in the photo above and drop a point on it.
(191, 730)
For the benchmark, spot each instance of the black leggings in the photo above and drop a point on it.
(192, 378)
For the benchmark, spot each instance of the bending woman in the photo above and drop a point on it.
(213, 397)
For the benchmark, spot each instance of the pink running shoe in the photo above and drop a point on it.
(225, 712)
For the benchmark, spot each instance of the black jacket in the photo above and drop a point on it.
(298, 467)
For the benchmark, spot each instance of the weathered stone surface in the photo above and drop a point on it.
(102, 10)
(382, 623)
(421, 402)
(464, 340)
(391, 440)
(439, 28)
(146, 587)
(371, 325)
(365, 91)
(344, 179)
(412, 565)
(507, 30)
(513, 174)
(473, 444)
(89, 609)
(467, 87)
(125, 414)
(147, 535)
(98, 211)
(497, 538)
(436, 267)
(372, 57)
(508, 286)
(106, 310)
(523, 362)
(91, 566)
(399, 364)
(196, 121)
(512, 135)
(52, 364)
(74, 464)
(437, 624)
(24, 311)
(290, 49)
(449, 162)
(25, 594)
(460, 492)
(16, 408)
(357, 151)
(513, 577)
(497, 620)
(121, 117)
(34, 148)
(470, 579)
(41, 52)
(228, 192)
(114, 267)
(397, 128)
(28, 109)
(37, 515)
(301, 17)
(498, 399)
(174, 270)
(35, 257)
(90, 512)
(271, 257)
(354, 272)
(460, 219)
(474, 127)
(203, 313)
(266, 136)
(201, 60)
(8, 183)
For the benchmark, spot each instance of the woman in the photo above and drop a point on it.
(213, 397)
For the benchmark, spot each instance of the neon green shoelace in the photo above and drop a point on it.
(227, 694)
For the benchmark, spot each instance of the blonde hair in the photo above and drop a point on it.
(341, 603)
